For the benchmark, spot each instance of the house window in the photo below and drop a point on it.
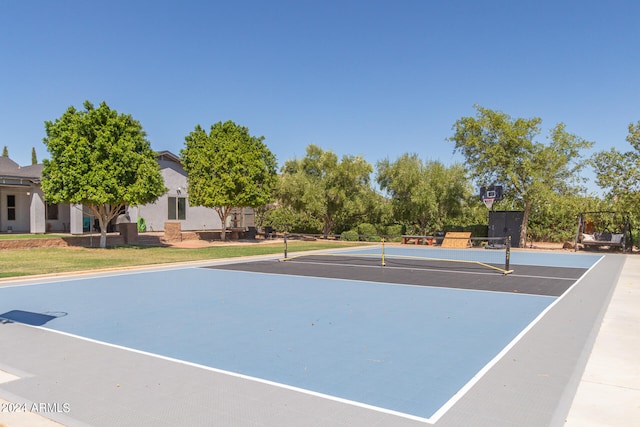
(11, 208)
(52, 212)
(177, 208)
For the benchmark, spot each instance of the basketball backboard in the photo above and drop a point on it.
(491, 192)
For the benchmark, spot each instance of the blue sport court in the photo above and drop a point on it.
(407, 339)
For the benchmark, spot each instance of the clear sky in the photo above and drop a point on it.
(373, 78)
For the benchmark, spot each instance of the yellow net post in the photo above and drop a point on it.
(383, 264)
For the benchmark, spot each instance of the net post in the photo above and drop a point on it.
(285, 245)
(383, 263)
(507, 258)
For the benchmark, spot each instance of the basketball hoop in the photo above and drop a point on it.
(488, 202)
(491, 194)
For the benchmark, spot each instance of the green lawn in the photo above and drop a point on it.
(12, 236)
(26, 262)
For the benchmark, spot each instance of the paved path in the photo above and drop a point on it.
(609, 392)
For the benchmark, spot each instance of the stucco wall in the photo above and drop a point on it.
(61, 224)
(22, 223)
(156, 214)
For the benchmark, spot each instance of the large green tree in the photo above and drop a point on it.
(228, 168)
(101, 159)
(619, 173)
(330, 189)
(424, 194)
(500, 149)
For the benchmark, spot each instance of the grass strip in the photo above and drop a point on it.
(19, 236)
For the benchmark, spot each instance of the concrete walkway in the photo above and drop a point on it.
(609, 392)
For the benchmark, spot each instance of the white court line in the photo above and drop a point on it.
(238, 375)
(450, 271)
(370, 282)
(444, 408)
(125, 271)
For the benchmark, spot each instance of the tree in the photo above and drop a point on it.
(326, 188)
(619, 173)
(5, 151)
(424, 194)
(34, 157)
(284, 218)
(228, 168)
(101, 159)
(556, 218)
(499, 149)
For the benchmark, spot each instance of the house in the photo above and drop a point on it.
(22, 206)
(173, 206)
(24, 210)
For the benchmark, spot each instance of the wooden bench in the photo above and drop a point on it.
(417, 240)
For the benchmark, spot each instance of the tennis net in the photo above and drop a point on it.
(458, 253)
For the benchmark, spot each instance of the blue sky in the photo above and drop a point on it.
(372, 78)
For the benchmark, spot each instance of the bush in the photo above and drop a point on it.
(366, 228)
(368, 233)
(282, 218)
(349, 236)
(394, 232)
